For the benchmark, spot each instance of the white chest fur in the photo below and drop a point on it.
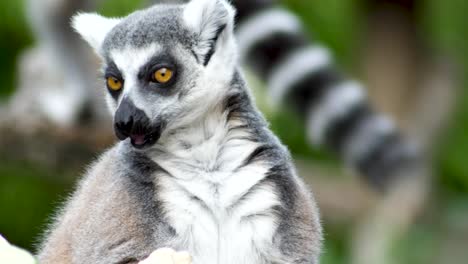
(222, 213)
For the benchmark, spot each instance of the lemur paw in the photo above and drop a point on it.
(168, 256)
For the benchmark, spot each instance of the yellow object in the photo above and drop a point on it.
(114, 83)
(163, 75)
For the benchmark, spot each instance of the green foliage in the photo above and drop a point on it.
(118, 8)
(335, 23)
(15, 36)
(417, 247)
(445, 23)
(28, 195)
(335, 248)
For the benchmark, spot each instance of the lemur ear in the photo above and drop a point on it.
(209, 19)
(93, 28)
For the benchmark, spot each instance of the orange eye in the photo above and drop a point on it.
(163, 75)
(114, 84)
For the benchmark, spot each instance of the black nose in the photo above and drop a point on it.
(129, 120)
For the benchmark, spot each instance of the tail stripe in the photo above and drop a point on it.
(266, 54)
(294, 69)
(247, 8)
(389, 156)
(337, 102)
(263, 25)
(339, 131)
(366, 136)
(309, 91)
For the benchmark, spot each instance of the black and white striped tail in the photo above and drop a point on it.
(302, 76)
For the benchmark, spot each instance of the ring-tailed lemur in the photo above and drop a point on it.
(197, 168)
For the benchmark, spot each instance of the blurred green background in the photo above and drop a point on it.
(29, 192)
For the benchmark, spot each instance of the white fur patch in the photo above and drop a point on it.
(294, 68)
(264, 25)
(203, 195)
(336, 103)
(93, 28)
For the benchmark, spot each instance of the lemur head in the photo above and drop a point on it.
(165, 66)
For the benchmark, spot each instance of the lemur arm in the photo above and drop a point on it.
(297, 225)
(334, 109)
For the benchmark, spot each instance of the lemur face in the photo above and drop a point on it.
(164, 67)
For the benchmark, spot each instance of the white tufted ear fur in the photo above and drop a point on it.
(93, 28)
(209, 19)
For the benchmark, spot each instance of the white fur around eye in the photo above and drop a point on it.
(93, 28)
